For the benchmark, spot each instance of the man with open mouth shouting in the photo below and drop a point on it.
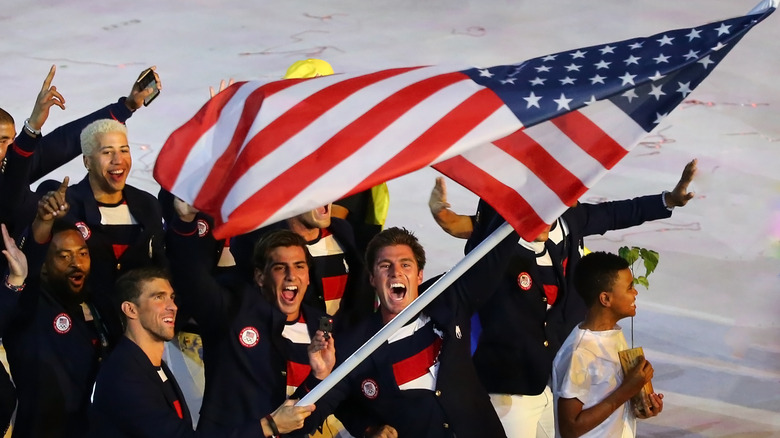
(136, 395)
(260, 343)
(421, 382)
(55, 339)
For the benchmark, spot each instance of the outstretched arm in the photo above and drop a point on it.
(64, 143)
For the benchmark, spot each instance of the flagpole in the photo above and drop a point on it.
(763, 6)
(407, 314)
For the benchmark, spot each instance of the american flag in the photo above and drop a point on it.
(529, 138)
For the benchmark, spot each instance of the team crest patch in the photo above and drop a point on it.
(62, 323)
(524, 281)
(84, 229)
(370, 389)
(249, 337)
(203, 227)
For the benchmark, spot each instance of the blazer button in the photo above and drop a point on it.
(284, 373)
(544, 299)
(118, 266)
(546, 343)
(438, 393)
(446, 425)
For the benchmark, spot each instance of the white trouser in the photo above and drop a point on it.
(526, 416)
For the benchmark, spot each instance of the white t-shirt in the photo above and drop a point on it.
(587, 368)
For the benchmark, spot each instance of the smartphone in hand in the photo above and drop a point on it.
(326, 325)
(145, 81)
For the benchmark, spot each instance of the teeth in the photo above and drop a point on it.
(394, 285)
(292, 288)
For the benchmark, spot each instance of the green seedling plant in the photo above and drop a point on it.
(649, 260)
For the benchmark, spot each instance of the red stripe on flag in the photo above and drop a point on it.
(296, 373)
(223, 166)
(179, 144)
(416, 366)
(438, 138)
(591, 138)
(286, 126)
(507, 202)
(277, 193)
(536, 158)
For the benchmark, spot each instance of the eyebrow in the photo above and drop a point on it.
(107, 146)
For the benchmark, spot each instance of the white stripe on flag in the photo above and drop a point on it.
(335, 183)
(309, 139)
(616, 123)
(211, 145)
(512, 173)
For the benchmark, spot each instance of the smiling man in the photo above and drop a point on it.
(121, 224)
(136, 395)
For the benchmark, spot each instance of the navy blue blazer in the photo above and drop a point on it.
(131, 400)
(520, 337)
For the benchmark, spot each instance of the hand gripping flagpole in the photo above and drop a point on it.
(407, 314)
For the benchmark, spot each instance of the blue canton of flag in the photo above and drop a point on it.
(645, 77)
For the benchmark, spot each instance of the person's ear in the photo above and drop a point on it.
(259, 277)
(605, 298)
(85, 158)
(130, 310)
(419, 277)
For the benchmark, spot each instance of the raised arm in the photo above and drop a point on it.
(190, 251)
(64, 143)
(679, 196)
(14, 282)
(456, 225)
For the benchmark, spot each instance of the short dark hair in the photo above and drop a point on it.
(5, 117)
(275, 239)
(391, 237)
(128, 286)
(596, 273)
(61, 226)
